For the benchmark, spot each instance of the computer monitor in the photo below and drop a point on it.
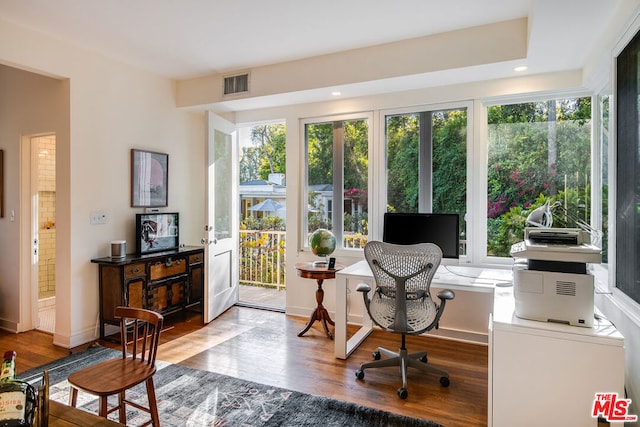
(410, 228)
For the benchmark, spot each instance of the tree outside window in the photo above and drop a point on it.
(427, 163)
(337, 161)
(538, 152)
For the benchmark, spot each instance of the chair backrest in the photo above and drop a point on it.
(141, 329)
(402, 301)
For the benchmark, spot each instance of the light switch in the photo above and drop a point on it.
(99, 217)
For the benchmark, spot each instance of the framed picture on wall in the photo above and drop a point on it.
(149, 179)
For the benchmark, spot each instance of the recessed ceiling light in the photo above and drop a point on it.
(520, 68)
(336, 93)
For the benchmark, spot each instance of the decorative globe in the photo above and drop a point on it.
(323, 242)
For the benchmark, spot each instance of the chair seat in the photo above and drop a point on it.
(111, 376)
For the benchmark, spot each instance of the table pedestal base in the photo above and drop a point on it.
(319, 314)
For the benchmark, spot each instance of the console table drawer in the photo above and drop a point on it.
(134, 270)
(196, 259)
(169, 268)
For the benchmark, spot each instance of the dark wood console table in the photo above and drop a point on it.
(166, 282)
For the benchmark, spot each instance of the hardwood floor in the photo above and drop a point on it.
(263, 346)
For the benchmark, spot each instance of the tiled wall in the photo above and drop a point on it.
(47, 216)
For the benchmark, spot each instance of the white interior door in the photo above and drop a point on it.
(221, 241)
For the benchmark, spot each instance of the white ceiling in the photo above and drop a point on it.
(190, 38)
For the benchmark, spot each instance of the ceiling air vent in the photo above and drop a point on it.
(236, 84)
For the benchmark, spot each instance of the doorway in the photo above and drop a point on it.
(43, 220)
(262, 216)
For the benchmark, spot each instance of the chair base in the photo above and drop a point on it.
(404, 360)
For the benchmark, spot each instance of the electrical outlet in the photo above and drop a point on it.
(99, 217)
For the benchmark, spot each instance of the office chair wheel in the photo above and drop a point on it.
(423, 359)
(376, 355)
(359, 374)
(444, 381)
(403, 393)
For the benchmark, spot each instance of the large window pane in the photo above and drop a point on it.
(604, 171)
(426, 163)
(538, 152)
(355, 187)
(627, 252)
(337, 179)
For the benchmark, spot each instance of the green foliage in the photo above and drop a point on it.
(508, 228)
(320, 153)
(402, 162)
(449, 129)
(274, 223)
(316, 221)
(272, 142)
(356, 152)
(267, 155)
(449, 162)
(531, 158)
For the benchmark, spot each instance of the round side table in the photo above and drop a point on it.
(308, 270)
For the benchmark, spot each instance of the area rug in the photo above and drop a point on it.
(191, 397)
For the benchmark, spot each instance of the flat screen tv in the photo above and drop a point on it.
(156, 232)
(411, 228)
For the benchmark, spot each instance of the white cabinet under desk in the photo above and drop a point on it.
(543, 373)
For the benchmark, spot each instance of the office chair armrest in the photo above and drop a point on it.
(363, 287)
(446, 294)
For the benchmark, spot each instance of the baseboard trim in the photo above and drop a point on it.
(8, 326)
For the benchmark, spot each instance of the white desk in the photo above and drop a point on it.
(455, 278)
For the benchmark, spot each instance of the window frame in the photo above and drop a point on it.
(627, 304)
(484, 103)
(338, 159)
(376, 224)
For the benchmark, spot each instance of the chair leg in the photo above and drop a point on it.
(426, 367)
(403, 367)
(387, 353)
(153, 405)
(122, 410)
(393, 361)
(73, 396)
(102, 410)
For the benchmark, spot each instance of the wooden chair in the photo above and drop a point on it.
(115, 376)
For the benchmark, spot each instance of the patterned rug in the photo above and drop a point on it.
(191, 397)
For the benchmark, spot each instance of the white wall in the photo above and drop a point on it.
(30, 104)
(111, 109)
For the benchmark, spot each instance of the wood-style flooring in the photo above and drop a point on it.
(263, 346)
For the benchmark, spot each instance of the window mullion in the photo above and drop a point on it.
(425, 163)
(338, 181)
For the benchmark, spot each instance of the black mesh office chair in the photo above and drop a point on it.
(401, 302)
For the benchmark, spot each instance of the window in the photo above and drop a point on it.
(538, 152)
(627, 268)
(337, 174)
(426, 163)
(601, 197)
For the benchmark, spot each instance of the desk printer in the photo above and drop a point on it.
(550, 278)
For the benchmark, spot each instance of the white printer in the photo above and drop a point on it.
(550, 278)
